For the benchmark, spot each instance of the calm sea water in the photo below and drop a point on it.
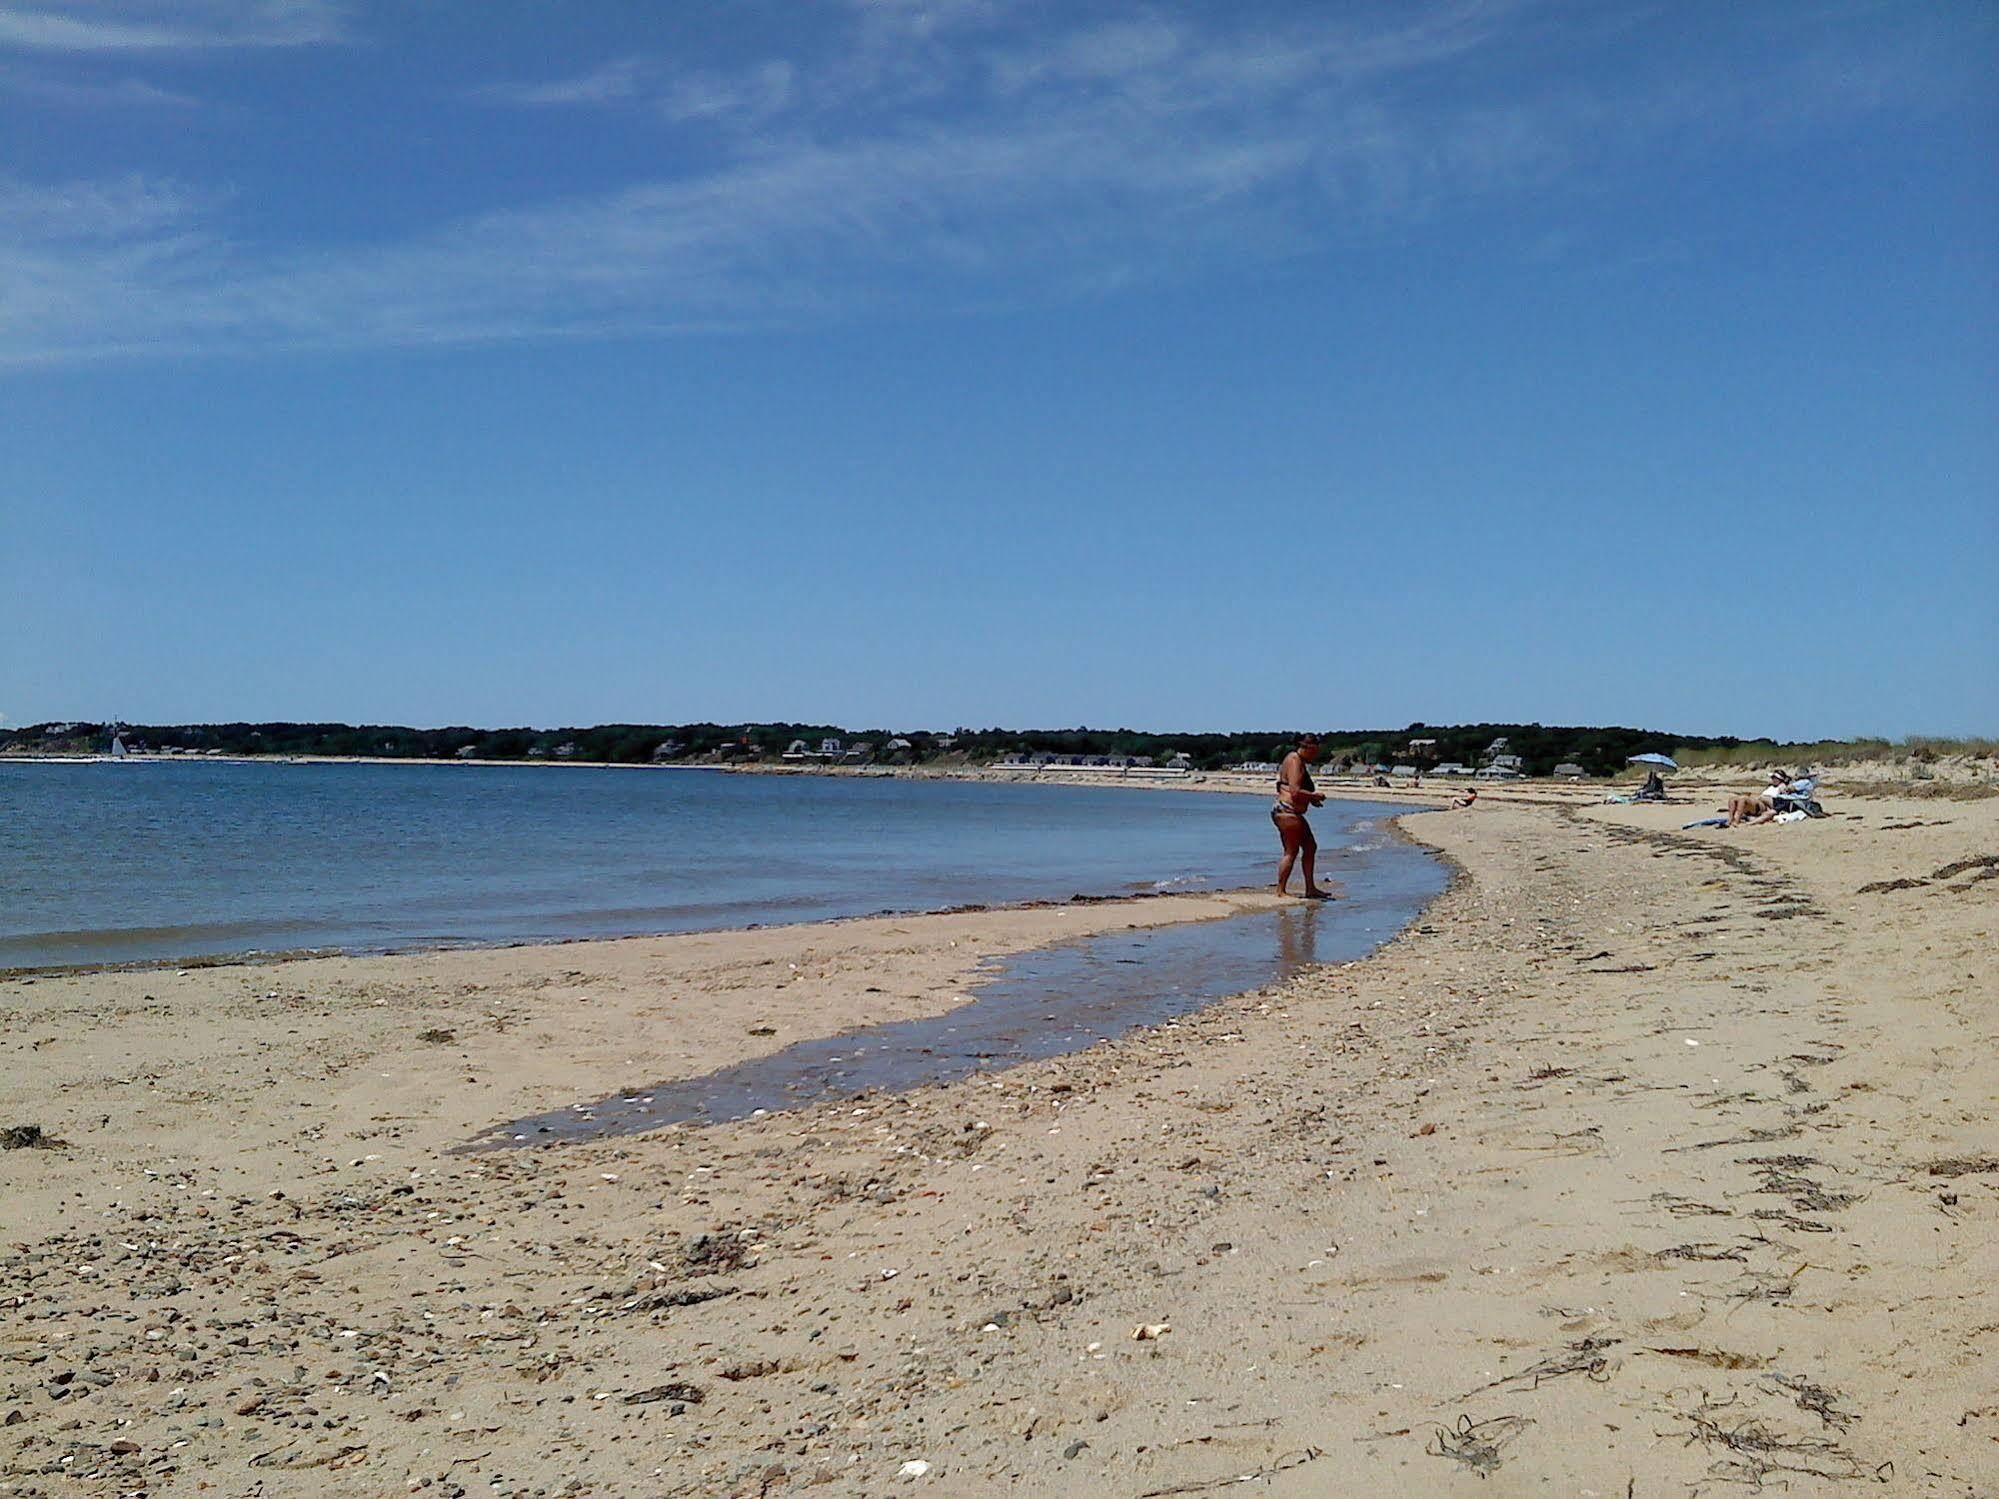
(121, 862)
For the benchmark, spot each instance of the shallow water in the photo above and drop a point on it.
(140, 861)
(1047, 1002)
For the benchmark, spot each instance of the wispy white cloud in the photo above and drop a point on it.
(91, 26)
(54, 88)
(742, 96)
(613, 82)
(937, 158)
(749, 96)
(113, 210)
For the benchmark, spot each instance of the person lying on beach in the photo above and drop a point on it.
(1295, 797)
(1758, 807)
(1469, 797)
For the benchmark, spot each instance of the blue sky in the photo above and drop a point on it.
(917, 362)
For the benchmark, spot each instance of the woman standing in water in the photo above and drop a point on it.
(1295, 797)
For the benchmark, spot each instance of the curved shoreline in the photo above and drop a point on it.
(1676, 1113)
(522, 914)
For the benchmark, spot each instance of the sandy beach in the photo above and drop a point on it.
(1646, 1163)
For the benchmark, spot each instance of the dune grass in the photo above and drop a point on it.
(1920, 749)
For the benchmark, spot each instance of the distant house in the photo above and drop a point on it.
(1498, 773)
(898, 749)
(467, 751)
(859, 752)
(831, 749)
(667, 749)
(566, 751)
(796, 750)
(1403, 770)
(1568, 770)
(1497, 747)
(1422, 749)
(1451, 768)
(537, 752)
(1509, 762)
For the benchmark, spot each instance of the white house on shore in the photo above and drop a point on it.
(830, 750)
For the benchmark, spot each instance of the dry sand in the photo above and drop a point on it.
(1649, 1163)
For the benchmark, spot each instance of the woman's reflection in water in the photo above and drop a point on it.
(1297, 938)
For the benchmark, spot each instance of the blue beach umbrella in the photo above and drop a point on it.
(1666, 762)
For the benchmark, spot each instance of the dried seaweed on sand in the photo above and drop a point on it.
(1964, 1165)
(1585, 1357)
(1817, 1399)
(1479, 1445)
(1686, 1207)
(1701, 1252)
(1283, 1464)
(1757, 1451)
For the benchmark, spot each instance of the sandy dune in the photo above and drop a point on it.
(1648, 1164)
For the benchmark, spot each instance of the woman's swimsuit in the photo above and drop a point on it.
(1282, 808)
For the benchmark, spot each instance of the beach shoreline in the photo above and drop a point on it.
(259, 959)
(1633, 1137)
(1054, 887)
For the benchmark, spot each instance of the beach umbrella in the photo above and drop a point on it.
(1664, 762)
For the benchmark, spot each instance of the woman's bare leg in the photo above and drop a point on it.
(1292, 830)
(1311, 851)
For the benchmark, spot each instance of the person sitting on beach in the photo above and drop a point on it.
(1296, 796)
(1467, 798)
(1758, 807)
(1654, 789)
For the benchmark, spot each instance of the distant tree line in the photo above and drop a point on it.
(1598, 751)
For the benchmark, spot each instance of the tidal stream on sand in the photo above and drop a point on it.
(1042, 1003)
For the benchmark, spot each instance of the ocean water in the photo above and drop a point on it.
(120, 862)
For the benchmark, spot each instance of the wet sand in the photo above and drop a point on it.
(1648, 1163)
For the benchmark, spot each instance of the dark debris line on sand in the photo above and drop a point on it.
(1283, 1464)
(29, 1137)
